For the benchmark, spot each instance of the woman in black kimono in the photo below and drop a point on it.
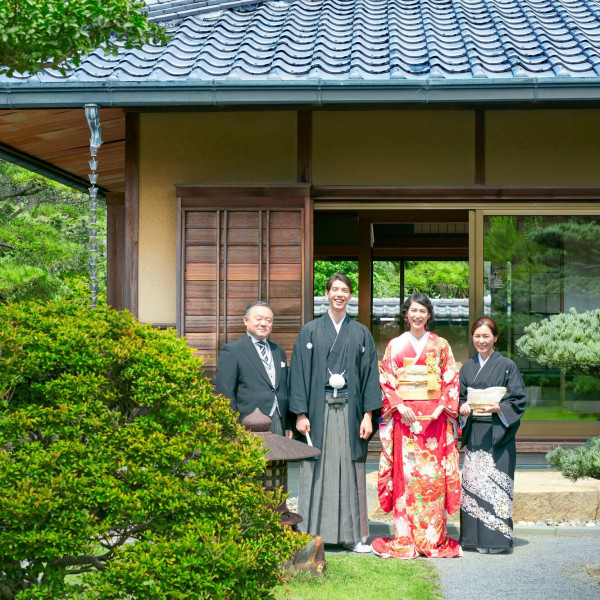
(489, 434)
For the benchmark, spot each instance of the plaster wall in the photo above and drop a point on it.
(542, 147)
(200, 148)
(377, 148)
(427, 148)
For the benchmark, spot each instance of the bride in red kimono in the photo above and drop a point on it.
(418, 468)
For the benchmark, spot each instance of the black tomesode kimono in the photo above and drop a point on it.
(332, 487)
(489, 465)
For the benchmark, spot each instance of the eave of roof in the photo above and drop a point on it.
(145, 94)
(328, 52)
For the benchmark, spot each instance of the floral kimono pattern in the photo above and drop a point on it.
(418, 468)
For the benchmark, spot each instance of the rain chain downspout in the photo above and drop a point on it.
(93, 119)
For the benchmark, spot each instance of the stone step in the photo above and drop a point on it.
(539, 495)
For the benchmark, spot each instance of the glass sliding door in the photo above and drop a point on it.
(446, 282)
(535, 266)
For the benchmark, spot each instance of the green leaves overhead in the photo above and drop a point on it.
(55, 33)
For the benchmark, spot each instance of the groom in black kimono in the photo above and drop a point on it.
(252, 371)
(335, 393)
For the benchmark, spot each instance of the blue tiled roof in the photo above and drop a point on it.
(354, 40)
(165, 10)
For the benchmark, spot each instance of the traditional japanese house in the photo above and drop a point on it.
(268, 135)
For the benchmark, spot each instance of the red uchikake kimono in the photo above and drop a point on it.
(418, 469)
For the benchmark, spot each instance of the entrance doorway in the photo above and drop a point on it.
(445, 282)
(525, 263)
(391, 254)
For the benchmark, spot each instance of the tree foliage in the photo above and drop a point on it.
(120, 466)
(583, 461)
(570, 253)
(437, 279)
(324, 269)
(35, 35)
(565, 341)
(43, 236)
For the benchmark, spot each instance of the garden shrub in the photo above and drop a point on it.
(574, 463)
(569, 341)
(121, 474)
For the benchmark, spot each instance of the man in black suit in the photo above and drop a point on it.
(252, 371)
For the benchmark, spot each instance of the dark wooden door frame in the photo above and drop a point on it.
(115, 250)
(225, 199)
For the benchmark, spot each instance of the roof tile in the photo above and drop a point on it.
(358, 39)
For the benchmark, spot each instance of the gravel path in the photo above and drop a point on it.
(541, 567)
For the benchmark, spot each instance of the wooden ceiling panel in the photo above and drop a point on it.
(57, 140)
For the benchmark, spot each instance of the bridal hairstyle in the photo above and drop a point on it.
(419, 299)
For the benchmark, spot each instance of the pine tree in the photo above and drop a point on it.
(568, 341)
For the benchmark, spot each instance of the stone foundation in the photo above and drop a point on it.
(539, 496)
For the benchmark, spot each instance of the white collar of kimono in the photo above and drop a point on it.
(482, 361)
(418, 345)
(338, 325)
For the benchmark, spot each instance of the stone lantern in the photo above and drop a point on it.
(280, 450)
(311, 558)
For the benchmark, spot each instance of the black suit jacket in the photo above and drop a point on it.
(242, 378)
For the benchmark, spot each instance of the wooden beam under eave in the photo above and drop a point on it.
(421, 253)
(132, 215)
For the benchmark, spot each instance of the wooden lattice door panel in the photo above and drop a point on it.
(200, 268)
(258, 253)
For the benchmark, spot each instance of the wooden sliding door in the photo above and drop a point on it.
(238, 245)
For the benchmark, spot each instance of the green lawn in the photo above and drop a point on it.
(363, 577)
(554, 413)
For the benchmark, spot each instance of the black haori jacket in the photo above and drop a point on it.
(308, 377)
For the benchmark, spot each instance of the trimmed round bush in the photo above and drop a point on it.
(575, 463)
(121, 474)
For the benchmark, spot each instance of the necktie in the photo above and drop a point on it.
(263, 351)
(265, 356)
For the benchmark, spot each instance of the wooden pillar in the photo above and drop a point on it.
(115, 250)
(304, 175)
(365, 271)
(308, 260)
(132, 201)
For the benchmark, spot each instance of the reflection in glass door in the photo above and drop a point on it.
(445, 282)
(536, 266)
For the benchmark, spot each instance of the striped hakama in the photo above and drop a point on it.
(332, 498)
